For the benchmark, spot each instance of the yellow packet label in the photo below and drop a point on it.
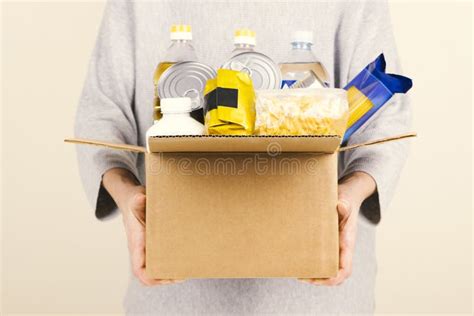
(230, 104)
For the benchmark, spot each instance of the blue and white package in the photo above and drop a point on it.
(369, 91)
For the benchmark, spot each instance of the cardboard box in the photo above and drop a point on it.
(241, 206)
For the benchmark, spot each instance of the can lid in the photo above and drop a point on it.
(181, 32)
(185, 79)
(263, 71)
(245, 36)
(303, 36)
(175, 105)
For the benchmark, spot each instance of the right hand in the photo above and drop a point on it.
(131, 199)
(133, 220)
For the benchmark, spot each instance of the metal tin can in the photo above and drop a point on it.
(264, 72)
(186, 79)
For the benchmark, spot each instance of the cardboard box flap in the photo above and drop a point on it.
(378, 141)
(244, 144)
(125, 147)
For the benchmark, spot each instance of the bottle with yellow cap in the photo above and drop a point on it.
(180, 49)
(244, 41)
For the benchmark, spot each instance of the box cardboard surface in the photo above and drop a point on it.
(241, 206)
(243, 209)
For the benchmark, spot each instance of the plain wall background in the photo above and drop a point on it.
(58, 258)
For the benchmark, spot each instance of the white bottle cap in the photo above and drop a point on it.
(303, 37)
(245, 36)
(181, 32)
(175, 105)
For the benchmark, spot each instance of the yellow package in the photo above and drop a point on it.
(301, 112)
(230, 104)
(359, 104)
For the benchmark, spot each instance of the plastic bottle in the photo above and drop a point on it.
(181, 49)
(244, 41)
(301, 64)
(176, 119)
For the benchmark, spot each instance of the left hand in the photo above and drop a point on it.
(352, 191)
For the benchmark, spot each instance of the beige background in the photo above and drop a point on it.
(58, 258)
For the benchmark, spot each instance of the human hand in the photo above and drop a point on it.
(352, 191)
(131, 200)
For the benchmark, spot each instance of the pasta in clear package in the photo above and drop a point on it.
(301, 112)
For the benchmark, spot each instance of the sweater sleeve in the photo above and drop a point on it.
(369, 28)
(106, 106)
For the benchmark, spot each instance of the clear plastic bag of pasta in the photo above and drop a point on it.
(301, 112)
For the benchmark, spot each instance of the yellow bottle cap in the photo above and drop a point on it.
(181, 32)
(245, 36)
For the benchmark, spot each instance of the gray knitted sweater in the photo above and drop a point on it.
(116, 106)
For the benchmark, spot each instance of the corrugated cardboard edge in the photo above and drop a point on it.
(327, 144)
(132, 148)
(139, 149)
(378, 141)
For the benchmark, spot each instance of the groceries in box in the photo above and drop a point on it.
(244, 96)
(253, 192)
(301, 112)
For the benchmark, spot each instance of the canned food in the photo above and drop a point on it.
(264, 72)
(185, 79)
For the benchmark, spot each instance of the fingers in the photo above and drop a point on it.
(314, 281)
(347, 235)
(341, 276)
(344, 212)
(134, 220)
(138, 206)
(343, 206)
(137, 257)
(345, 256)
(337, 280)
(137, 254)
(344, 272)
(345, 267)
(139, 202)
(141, 275)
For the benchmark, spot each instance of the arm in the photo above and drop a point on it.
(124, 188)
(352, 191)
(383, 163)
(369, 174)
(106, 112)
(130, 197)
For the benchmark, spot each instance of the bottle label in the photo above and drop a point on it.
(287, 83)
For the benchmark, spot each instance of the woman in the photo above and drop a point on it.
(116, 105)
